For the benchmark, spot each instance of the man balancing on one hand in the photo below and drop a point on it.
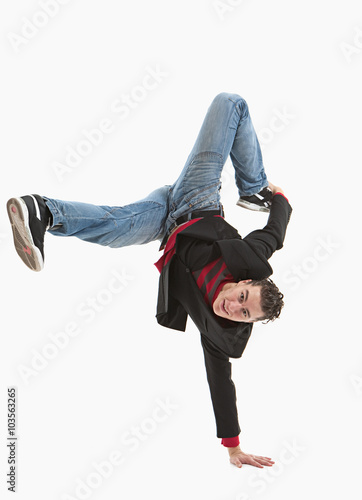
(207, 271)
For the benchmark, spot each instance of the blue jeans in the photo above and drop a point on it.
(227, 130)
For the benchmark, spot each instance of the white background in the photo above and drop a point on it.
(299, 380)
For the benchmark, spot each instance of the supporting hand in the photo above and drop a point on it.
(238, 457)
(275, 189)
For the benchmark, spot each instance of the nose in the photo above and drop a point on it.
(232, 306)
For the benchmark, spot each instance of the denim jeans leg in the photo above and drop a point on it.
(134, 224)
(226, 129)
(245, 153)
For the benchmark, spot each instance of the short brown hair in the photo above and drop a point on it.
(271, 299)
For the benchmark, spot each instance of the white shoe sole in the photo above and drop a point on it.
(23, 240)
(252, 206)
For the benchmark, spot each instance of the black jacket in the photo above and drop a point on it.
(179, 296)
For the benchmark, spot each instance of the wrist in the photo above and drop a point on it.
(282, 194)
(234, 450)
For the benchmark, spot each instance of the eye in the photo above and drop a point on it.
(243, 311)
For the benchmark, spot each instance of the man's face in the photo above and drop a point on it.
(239, 302)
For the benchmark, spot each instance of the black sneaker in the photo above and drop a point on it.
(30, 218)
(261, 201)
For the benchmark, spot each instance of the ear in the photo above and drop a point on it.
(244, 281)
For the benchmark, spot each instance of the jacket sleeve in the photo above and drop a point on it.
(222, 390)
(271, 238)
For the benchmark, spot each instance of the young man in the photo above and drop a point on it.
(207, 271)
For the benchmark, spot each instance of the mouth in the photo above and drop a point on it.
(223, 308)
